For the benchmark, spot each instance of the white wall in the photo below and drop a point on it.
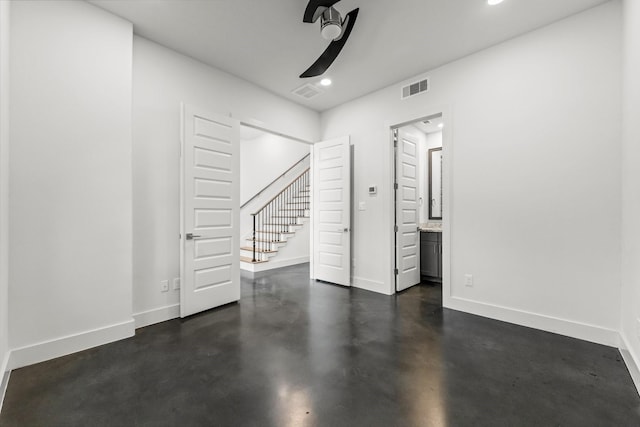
(264, 158)
(631, 181)
(535, 208)
(70, 182)
(4, 187)
(162, 79)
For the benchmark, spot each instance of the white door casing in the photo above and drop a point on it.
(331, 211)
(407, 235)
(210, 207)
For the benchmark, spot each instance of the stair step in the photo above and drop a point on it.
(290, 209)
(258, 250)
(291, 218)
(300, 197)
(251, 261)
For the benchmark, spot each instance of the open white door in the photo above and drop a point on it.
(407, 234)
(331, 215)
(210, 207)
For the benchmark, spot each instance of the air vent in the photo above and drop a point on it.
(307, 91)
(415, 88)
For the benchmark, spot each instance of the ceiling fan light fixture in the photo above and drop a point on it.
(330, 24)
(330, 31)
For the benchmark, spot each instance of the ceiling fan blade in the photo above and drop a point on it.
(311, 13)
(331, 53)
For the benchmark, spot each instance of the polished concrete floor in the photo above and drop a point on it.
(300, 353)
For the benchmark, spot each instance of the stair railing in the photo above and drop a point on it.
(275, 217)
(275, 180)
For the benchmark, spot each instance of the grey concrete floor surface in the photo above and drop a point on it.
(295, 352)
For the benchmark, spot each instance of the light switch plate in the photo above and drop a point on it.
(468, 280)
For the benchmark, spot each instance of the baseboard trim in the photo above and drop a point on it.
(630, 360)
(156, 315)
(273, 264)
(583, 331)
(4, 379)
(370, 285)
(47, 350)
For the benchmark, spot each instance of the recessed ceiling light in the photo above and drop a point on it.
(325, 82)
(441, 125)
(494, 2)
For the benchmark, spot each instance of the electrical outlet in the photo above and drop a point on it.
(176, 283)
(468, 280)
(164, 286)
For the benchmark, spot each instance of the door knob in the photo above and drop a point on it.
(191, 236)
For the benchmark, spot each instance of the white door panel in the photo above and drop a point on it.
(407, 236)
(210, 264)
(331, 214)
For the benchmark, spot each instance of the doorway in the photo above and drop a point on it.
(418, 202)
(274, 211)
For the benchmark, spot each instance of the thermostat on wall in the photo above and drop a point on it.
(373, 189)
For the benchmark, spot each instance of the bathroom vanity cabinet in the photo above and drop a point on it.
(431, 255)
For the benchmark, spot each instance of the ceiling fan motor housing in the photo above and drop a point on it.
(332, 28)
(330, 24)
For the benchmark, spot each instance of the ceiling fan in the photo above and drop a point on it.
(332, 27)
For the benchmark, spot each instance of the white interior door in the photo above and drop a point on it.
(331, 214)
(407, 234)
(210, 197)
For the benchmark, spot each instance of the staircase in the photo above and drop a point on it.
(277, 222)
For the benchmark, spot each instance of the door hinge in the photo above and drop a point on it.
(395, 228)
(395, 271)
(395, 185)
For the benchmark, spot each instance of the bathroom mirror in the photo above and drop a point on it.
(435, 183)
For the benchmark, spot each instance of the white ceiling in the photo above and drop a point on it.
(266, 42)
